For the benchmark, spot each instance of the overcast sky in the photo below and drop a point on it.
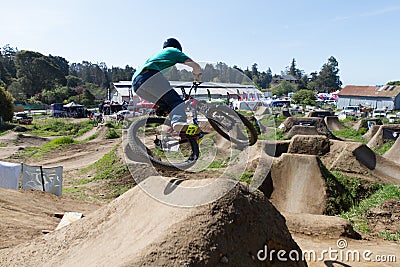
(363, 35)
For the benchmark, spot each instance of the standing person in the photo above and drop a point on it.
(149, 83)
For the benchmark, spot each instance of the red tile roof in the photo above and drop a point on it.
(371, 91)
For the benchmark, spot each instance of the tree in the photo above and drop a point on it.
(36, 72)
(292, 70)
(73, 81)
(283, 89)
(394, 83)
(304, 97)
(6, 104)
(328, 79)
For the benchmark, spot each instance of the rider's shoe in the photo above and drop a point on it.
(189, 129)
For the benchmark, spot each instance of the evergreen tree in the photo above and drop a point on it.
(328, 79)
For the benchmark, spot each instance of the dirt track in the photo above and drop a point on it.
(117, 229)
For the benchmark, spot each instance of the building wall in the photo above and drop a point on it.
(373, 102)
(115, 96)
(397, 102)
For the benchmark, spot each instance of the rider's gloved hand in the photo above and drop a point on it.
(197, 77)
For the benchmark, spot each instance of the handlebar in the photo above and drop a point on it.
(194, 86)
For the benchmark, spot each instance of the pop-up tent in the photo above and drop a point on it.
(75, 110)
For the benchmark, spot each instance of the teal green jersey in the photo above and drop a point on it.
(164, 59)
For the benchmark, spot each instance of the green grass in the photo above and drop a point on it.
(53, 144)
(384, 148)
(345, 192)
(72, 190)
(108, 167)
(357, 215)
(351, 134)
(59, 127)
(390, 236)
(220, 163)
(2, 144)
(112, 134)
(38, 152)
(247, 176)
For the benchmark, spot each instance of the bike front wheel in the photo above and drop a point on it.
(152, 139)
(232, 125)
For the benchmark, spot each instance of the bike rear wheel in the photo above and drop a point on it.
(148, 137)
(232, 125)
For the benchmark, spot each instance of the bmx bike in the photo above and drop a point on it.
(152, 137)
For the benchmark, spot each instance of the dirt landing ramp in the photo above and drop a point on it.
(318, 123)
(379, 165)
(384, 132)
(358, 159)
(333, 123)
(137, 230)
(309, 144)
(393, 153)
(296, 184)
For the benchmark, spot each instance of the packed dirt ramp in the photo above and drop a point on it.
(295, 184)
(137, 230)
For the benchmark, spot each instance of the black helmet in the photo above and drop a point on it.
(172, 42)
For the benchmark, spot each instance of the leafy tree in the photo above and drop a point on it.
(58, 95)
(283, 89)
(73, 81)
(304, 97)
(36, 72)
(6, 104)
(394, 83)
(328, 79)
(17, 90)
(7, 66)
(61, 63)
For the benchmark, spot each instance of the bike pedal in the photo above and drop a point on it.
(192, 130)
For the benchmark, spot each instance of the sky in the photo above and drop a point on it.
(363, 35)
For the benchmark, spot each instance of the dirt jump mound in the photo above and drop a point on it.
(317, 123)
(137, 230)
(309, 144)
(296, 184)
(333, 123)
(359, 160)
(382, 133)
(367, 123)
(393, 153)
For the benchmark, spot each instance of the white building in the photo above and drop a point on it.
(382, 97)
(120, 91)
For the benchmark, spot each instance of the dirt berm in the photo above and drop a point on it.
(137, 230)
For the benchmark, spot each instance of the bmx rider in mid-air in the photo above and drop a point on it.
(149, 83)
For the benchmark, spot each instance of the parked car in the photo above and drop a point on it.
(22, 118)
(124, 114)
(352, 110)
(379, 113)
